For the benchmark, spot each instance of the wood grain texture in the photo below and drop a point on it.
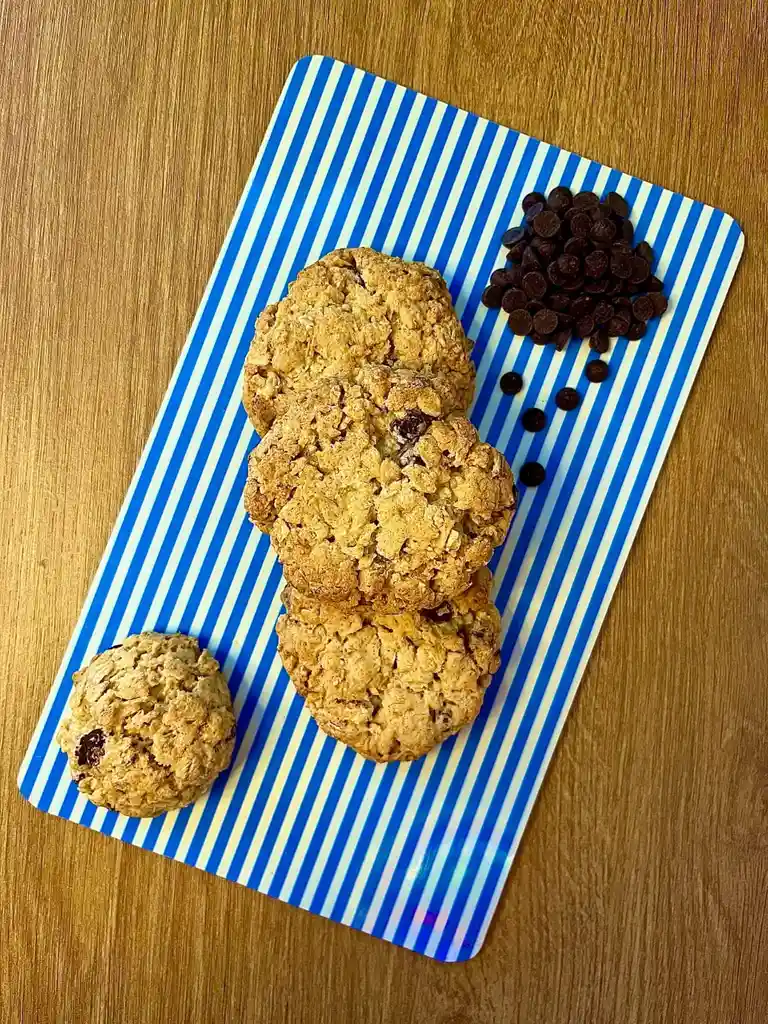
(640, 893)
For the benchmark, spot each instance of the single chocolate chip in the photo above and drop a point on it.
(534, 420)
(601, 212)
(521, 322)
(597, 371)
(618, 204)
(560, 302)
(90, 748)
(603, 312)
(636, 330)
(660, 303)
(546, 249)
(512, 237)
(534, 305)
(622, 302)
(566, 320)
(574, 284)
(603, 231)
(623, 247)
(599, 342)
(568, 265)
(555, 275)
(581, 224)
(530, 260)
(616, 286)
(645, 252)
(535, 284)
(511, 383)
(560, 199)
(517, 251)
(640, 270)
(492, 296)
(533, 212)
(505, 278)
(567, 399)
(576, 246)
(545, 321)
(643, 308)
(596, 264)
(585, 326)
(539, 339)
(618, 325)
(411, 427)
(585, 199)
(653, 284)
(532, 474)
(532, 199)
(561, 338)
(596, 287)
(621, 265)
(514, 298)
(582, 305)
(627, 231)
(546, 224)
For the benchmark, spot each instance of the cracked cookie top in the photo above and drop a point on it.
(352, 307)
(149, 726)
(371, 495)
(391, 685)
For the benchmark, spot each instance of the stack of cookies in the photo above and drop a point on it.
(381, 501)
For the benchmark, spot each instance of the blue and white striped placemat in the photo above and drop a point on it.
(415, 853)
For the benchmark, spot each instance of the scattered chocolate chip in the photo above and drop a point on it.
(582, 305)
(585, 326)
(534, 305)
(504, 278)
(517, 251)
(546, 224)
(560, 302)
(492, 296)
(545, 321)
(532, 474)
(581, 224)
(644, 251)
(561, 338)
(514, 298)
(534, 420)
(653, 284)
(659, 302)
(621, 265)
(539, 339)
(640, 270)
(544, 247)
(568, 264)
(627, 231)
(532, 199)
(618, 324)
(584, 199)
(535, 284)
(636, 330)
(533, 212)
(618, 204)
(511, 383)
(90, 748)
(599, 342)
(596, 371)
(567, 399)
(411, 427)
(556, 276)
(512, 237)
(603, 231)
(576, 246)
(530, 260)
(643, 308)
(596, 264)
(596, 287)
(603, 312)
(521, 322)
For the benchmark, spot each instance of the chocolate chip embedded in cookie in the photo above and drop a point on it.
(370, 494)
(391, 686)
(150, 725)
(356, 306)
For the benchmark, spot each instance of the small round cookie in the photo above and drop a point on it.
(352, 307)
(391, 686)
(371, 495)
(150, 725)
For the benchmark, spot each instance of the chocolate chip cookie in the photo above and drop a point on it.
(371, 494)
(352, 307)
(391, 686)
(150, 725)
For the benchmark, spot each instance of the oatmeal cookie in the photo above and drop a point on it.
(150, 725)
(371, 495)
(391, 686)
(352, 307)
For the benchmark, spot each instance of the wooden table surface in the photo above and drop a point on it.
(640, 893)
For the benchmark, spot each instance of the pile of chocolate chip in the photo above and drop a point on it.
(575, 272)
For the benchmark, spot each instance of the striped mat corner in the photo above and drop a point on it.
(414, 853)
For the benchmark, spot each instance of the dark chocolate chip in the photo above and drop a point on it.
(532, 474)
(576, 246)
(582, 305)
(618, 324)
(534, 420)
(603, 312)
(530, 260)
(534, 305)
(517, 251)
(645, 252)
(596, 264)
(622, 302)
(539, 339)
(643, 308)
(585, 325)
(560, 302)
(512, 237)
(511, 383)
(653, 284)
(546, 249)
(411, 427)
(616, 286)
(597, 371)
(545, 321)
(560, 199)
(567, 399)
(533, 212)
(546, 224)
(599, 342)
(532, 199)
(627, 231)
(574, 284)
(521, 322)
(636, 330)
(618, 204)
(660, 303)
(568, 265)
(596, 287)
(621, 265)
(585, 199)
(505, 278)
(555, 275)
(90, 748)
(514, 298)
(581, 224)
(640, 270)
(561, 338)
(535, 284)
(603, 231)
(492, 296)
